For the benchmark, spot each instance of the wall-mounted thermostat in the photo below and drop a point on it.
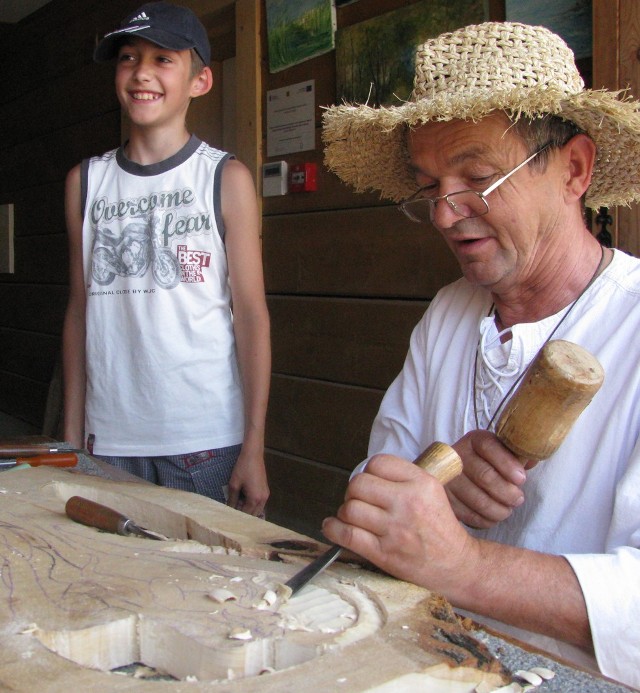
(274, 178)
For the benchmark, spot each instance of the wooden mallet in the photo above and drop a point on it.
(556, 388)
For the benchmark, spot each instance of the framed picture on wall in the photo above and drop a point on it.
(298, 31)
(375, 58)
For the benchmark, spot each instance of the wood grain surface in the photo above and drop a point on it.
(77, 603)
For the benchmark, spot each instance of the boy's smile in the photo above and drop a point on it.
(144, 96)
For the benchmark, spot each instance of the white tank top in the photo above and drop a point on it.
(162, 373)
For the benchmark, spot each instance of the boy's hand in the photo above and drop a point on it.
(248, 487)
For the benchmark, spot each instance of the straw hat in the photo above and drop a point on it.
(466, 74)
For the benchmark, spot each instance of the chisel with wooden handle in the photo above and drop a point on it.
(556, 388)
(438, 459)
(92, 514)
(13, 450)
(54, 459)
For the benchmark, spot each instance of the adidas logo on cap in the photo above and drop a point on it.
(142, 17)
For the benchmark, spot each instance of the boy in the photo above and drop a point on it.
(160, 378)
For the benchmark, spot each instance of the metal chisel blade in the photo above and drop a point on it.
(300, 579)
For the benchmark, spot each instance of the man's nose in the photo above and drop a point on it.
(443, 215)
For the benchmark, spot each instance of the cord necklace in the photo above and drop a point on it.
(519, 378)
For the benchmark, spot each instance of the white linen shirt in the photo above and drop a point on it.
(584, 501)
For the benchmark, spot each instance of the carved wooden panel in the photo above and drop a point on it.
(205, 606)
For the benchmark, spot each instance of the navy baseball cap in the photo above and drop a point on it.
(169, 26)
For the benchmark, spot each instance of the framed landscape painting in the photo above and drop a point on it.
(375, 58)
(297, 31)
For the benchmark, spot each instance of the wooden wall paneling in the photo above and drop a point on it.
(219, 18)
(629, 75)
(58, 104)
(40, 210)
(42, 260)
(56, 40)
(606, 63)
(23, 398)
(48, 158)
(321, 421)
(33, 308)
(606, 43)
(368, 252)
(205, 116)
(28, 354)
(30, 323)
(249, 96)
(343, 340)
(616, 65)
(303, 493)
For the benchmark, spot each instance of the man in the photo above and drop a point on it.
(498, 149)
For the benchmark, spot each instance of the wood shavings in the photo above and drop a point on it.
(222, 595)
(269, 598)
(276, 595)
(529, 677)
(240, 634)
(283, 591)
(543, 673)
(31, 628)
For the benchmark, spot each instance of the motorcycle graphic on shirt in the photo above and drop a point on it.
(131, 254)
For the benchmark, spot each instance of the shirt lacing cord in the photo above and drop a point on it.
(491, 382)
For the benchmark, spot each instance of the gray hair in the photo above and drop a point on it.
(548, 129)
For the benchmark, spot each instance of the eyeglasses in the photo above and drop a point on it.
(466, 203)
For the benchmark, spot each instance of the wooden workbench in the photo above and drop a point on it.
(77, 604)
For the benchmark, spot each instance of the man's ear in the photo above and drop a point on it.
(202, 83)
(580, 152)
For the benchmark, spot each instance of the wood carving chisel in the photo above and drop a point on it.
(92, 514)
(19, 450)
(54, 459)
(555, 389)
(438, 459)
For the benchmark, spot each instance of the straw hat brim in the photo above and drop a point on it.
(365, 146)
